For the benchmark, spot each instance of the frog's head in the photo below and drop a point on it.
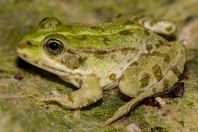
(45, 47)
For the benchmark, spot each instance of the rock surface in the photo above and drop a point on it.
(21, 83)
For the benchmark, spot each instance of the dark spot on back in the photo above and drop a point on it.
(125, 32)
(166, 58)
(164, 55)
(143, 55)
(148, 47)
(157, 45)
(157, 72)
(144, 80)
(161, 43)
(135, 63)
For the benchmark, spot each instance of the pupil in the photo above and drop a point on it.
(54, 46)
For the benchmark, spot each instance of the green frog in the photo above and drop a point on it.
(125, 54)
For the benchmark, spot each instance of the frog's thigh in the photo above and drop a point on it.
(134, 82)
(130, 89)
(147, 71)
(147, 77)
(168, 80)
(89, 93)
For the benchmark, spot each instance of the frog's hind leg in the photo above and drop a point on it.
(155, 88)
(148, 76)
(89, 92)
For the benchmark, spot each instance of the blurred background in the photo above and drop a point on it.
(21, 83)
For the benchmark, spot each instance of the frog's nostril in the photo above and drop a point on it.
(29, 43)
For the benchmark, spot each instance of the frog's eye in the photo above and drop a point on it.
(49, 23)
(54, 47)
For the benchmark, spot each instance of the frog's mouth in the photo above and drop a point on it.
(53, 69)
(56, 68)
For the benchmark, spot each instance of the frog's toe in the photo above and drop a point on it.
(123, 110)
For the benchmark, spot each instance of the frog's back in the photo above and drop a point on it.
(109, 35)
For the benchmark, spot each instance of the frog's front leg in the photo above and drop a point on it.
(89, 92)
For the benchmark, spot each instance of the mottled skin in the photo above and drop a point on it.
(97, 58)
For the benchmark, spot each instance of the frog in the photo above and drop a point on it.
(127, 55)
